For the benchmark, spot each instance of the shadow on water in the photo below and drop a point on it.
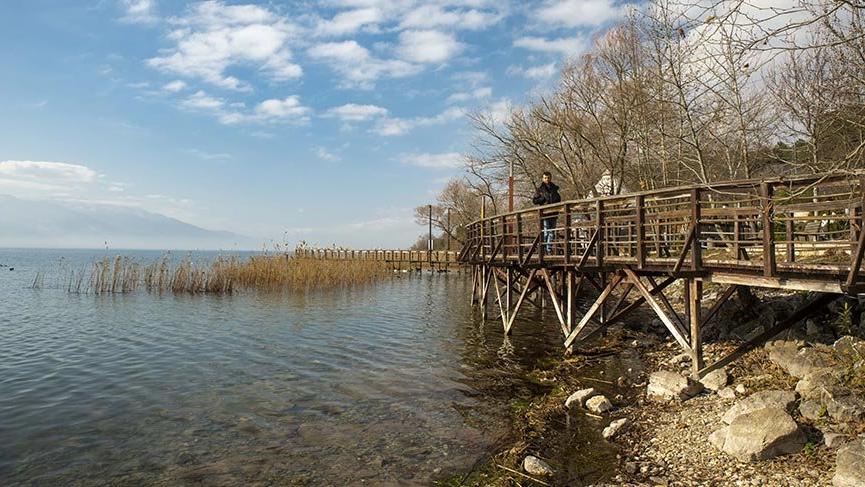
(396, 383)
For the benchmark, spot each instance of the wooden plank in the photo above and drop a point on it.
(640, 202)
(775, 282)
(720, 302)
(585, 257)
(637, 302)
(513, 314)
(593, 309)
(658, 311)
(695, 316)
(554, 297)
(769, 265)
(685, 248)
(696, 247)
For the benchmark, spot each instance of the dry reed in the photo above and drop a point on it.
(221, 275)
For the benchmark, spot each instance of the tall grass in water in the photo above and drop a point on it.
(221, 275)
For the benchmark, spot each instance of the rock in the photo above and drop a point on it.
(632, 467)
(598, 404)
(783, 400)
(842, 405)
(580, 397)
(716, 379)
(678, 359)
(670, 385)
(727, 393)
(811, 328)
(740, 389)
(537, 467)
(812, 385)
(762, 434)
(850, 465)
(614, 427)
(849, 345)
(811, 409)
(835, 440)
(798, 363)
(718, 438)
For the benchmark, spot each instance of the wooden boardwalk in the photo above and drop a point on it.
(437, 260)
(801, 233)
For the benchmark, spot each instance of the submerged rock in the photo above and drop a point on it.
(850, 465)
(759, 435)
(535, 466)
(579, 398)
(614, 427)
(599, 404)
(783, 400)
(670, 385)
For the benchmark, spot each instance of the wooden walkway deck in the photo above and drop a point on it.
(802, 233)
(438, 260)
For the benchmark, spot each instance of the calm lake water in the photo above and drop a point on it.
(379, 385)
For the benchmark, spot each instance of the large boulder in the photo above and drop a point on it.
(812, 385)
(850, 465)
(579, 398)
(670, 385)
(843, 405)
(784, 400)
(759, 435)
(599, 404)
(716, 379)
(795, 362)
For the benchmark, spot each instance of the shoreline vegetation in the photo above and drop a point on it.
(223, 274)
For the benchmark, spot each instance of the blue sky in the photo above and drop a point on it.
(320, 121)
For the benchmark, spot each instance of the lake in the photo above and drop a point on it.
(377, 385)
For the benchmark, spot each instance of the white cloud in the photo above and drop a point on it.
(429, 16)
(326, 155)
(447, 160)
(352, 112)
(202, 101)
(213, 37)
(349, 22)
(139, 11)
(568, 46)
(428, 46)
(543, 71)
(401, 126)
(500, 110)
(174, 86)
(476, 94)
(208, 156)
(578, 13)
(357, 65)
(46, 172)
(286, 110)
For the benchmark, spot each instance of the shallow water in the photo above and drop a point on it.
(388, 383)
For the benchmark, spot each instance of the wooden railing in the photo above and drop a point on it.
(436, 257)
(804, 226)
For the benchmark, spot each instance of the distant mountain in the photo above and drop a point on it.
(26, 223)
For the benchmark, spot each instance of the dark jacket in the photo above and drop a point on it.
(546, 194)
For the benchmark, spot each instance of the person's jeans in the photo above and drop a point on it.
(549, 233)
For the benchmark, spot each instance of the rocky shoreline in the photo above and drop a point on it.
(789, 413)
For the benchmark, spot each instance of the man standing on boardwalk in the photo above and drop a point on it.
(547, 194)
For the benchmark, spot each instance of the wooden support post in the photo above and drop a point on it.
(695, 315)
(568, 222)
(674, 330)
(597, 305)
(696, 246)
(769, 265)
(520, 236)
(640, 202)
(600, 245)
(791, 249)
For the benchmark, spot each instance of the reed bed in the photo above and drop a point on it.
(221, 275)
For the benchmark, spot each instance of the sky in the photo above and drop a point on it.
(326, 122)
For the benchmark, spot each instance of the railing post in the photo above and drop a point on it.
(568, 221)
(696, 248)
(520, 236)
(640, 204)
(542, 248)
(791, 249)
(600, 245)
(504, 231)
(768, 230)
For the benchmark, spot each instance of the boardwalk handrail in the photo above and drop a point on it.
(807, 227)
